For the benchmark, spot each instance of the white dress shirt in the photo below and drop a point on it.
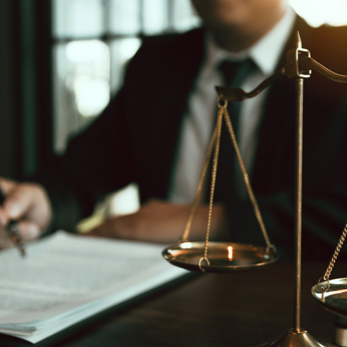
(199, 119)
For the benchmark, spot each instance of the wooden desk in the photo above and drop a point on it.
(239, 309)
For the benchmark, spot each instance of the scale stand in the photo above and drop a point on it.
(194, 256)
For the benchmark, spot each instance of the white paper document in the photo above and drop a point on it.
(67, 278)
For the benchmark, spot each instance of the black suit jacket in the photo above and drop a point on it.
(135, 139)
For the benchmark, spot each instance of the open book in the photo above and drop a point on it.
(67, 278)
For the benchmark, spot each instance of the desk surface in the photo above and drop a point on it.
(239, 309)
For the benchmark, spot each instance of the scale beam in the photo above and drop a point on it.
(238, 94)
(309, 63)
(305, 63)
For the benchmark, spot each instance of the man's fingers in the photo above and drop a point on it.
(6, 185)
(29, 230)
(17, 200)
(17, 203)
(3, 217)
(27, 201)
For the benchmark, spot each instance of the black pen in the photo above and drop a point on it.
(13, 231)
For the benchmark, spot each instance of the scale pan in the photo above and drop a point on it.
(335, 298)
(223, 256)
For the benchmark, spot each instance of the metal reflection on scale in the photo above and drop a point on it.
(227, 257)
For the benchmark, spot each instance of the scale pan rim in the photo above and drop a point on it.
(338, 286)
(245, 256)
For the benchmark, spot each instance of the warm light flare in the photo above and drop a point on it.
(318, 12)
(230, 253)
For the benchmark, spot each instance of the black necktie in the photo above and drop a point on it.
(234, 73)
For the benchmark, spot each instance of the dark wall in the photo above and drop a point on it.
(8, 137)
(25, 87)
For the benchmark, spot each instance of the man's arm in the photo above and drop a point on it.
(160, 221)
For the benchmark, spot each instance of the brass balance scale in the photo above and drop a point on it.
(228, 257)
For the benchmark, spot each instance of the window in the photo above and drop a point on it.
(92, 41)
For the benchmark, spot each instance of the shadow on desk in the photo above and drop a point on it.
(239, 309)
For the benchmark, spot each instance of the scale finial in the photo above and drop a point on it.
(298, 40)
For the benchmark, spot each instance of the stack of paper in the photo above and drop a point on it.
(67, 278)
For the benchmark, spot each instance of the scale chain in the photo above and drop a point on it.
(335, 255)
(214, 147)
(214, 175)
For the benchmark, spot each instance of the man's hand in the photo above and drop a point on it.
(26, 203)
(159, 221)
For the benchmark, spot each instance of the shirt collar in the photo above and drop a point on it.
(265, 52)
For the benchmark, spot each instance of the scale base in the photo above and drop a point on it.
(292, 339)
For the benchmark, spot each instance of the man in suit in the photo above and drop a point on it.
(152, 133)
